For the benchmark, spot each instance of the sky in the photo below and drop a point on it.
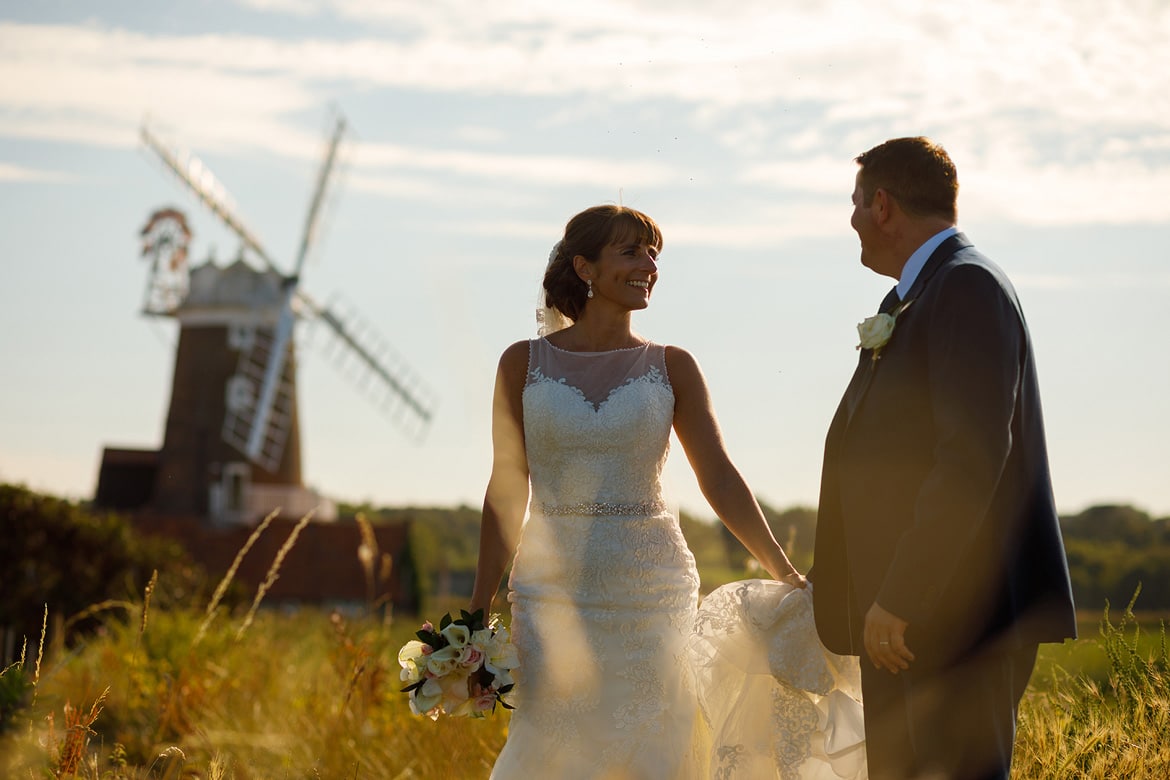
(476, 130)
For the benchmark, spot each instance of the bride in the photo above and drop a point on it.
(621, 676)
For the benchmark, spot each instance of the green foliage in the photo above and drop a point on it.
(15, 693)
(445, 545)
(706, 540)
(1112, 550)
(59, 554)
(1117, 523)
(721, 558)
(796, 529)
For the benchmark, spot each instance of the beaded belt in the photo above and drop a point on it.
(604, 509)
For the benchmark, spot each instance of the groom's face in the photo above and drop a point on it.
(864, 225)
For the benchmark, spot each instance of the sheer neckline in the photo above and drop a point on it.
(601, 352)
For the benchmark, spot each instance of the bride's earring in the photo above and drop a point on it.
(589, 293)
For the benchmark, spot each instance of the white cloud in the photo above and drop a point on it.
(1102, 282)
(800, 220)
(1040, 103)
(546, 169)
(294, 7)
(1036, 57)
(10, 172)
(1026, 189)
(822, 175)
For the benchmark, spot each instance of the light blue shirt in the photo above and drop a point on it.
(914, 265)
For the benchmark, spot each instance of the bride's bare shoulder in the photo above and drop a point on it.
(680, 362)
(686, 377)
(514, 359)
(515, 351)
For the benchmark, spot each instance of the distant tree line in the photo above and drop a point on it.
(61, 554)
(1111, 549)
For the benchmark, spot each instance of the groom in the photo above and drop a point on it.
(938, 550)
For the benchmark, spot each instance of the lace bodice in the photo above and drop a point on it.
(597, 425)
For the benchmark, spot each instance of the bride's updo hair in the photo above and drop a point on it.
(587, 234)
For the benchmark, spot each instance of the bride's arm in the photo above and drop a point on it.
(506, 498)
(722, 484)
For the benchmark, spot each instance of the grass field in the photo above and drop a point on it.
(310, 694)
(1086, 656)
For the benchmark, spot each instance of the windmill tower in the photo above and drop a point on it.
(231, 450)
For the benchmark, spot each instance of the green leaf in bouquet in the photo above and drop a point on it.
(473, 620)
(446, 621)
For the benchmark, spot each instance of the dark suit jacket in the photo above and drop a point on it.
(936, 499)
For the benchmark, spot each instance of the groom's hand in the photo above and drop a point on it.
(885, 640)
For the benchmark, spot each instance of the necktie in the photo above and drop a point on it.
(890, 302)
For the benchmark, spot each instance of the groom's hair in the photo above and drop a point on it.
(916, 172)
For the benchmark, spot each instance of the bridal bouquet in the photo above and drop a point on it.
(462, 670)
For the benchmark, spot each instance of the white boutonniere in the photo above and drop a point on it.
(876, 331)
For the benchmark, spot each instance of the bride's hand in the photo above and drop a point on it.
(795, 579)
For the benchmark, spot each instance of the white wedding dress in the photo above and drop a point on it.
(618, 673)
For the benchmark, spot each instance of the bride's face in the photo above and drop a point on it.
(625, 272)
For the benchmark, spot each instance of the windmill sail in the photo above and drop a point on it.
(265, 446)
(262, 392)
(201, 181)
(373, 366)
(261, 434)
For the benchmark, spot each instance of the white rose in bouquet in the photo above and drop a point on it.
(426, 699)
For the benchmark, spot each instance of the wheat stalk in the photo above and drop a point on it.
(173, 760)
(40, 654)
(146, 594)
(273, 573)
(93, 609)
(367, 554)
(387, 598)
(221, 589)
(217, 769)
(17, 664)
(78, 729)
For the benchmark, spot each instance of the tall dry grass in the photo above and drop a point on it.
(193, 693)
(180, 693)
(1118, 727)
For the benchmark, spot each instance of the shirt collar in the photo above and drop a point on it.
(917, 260)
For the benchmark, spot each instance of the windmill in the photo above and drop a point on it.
(231, 450)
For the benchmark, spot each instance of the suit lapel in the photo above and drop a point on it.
(864, 370)
(866, 365)
(857, 386)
